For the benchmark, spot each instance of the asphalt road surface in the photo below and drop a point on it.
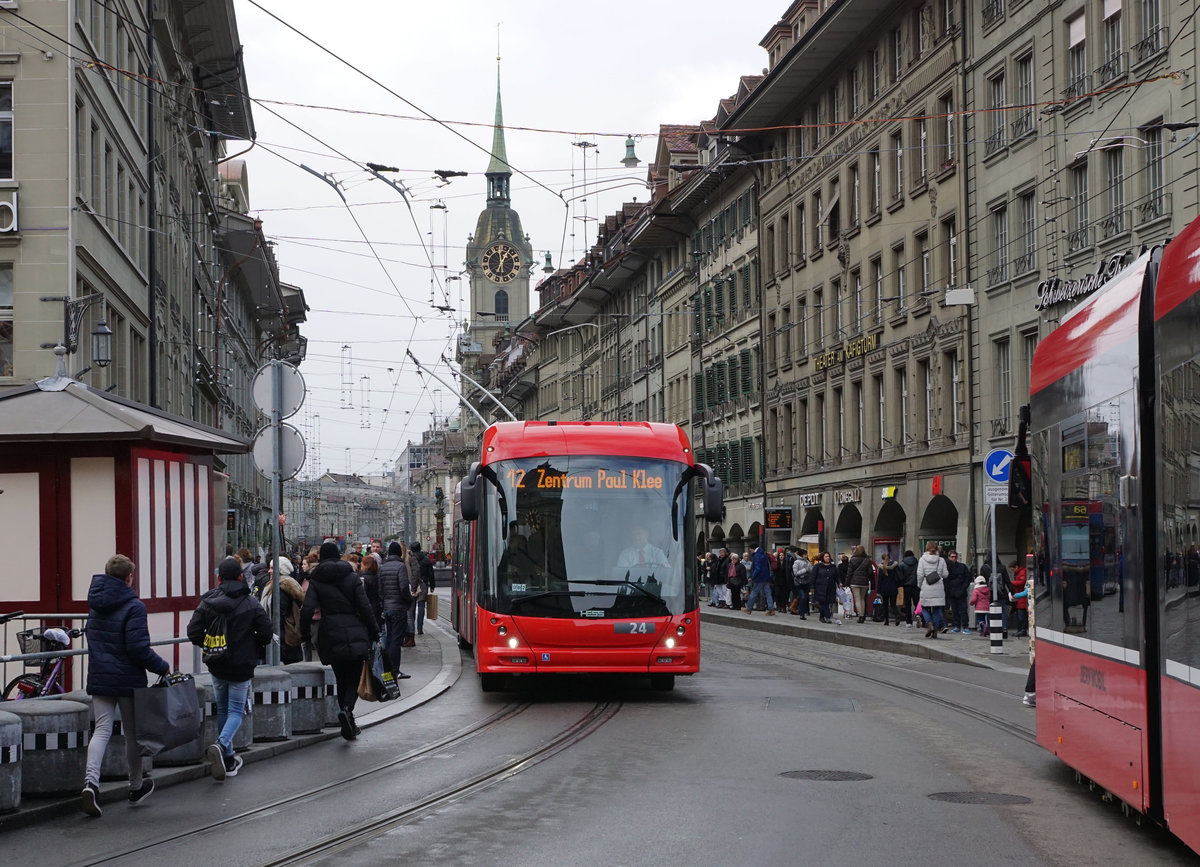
(782, 751)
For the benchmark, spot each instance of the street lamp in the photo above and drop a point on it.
(73, 313)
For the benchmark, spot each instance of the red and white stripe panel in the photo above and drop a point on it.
(172, 526)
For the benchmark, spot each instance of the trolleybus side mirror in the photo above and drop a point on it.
(713, 493)
(469, 494)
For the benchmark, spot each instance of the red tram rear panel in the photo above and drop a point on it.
(1115, 409)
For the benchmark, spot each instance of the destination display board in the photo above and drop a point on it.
(778, 518)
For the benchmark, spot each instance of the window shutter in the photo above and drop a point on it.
(735, 465)
(747, 460)
(698, 394)
(733, 299)
(719, 299)
(747, 373)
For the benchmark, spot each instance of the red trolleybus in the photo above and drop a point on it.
(1115, 411)
(575, 551)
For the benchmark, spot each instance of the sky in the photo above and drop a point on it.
(576, 79)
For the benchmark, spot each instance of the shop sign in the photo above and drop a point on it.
(778, 518)
(855, 348)
(888, 492)
(1057, 291)
(811, 500)
(847, 495)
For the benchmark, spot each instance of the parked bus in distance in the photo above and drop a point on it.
(575, 551)
(1115, 465)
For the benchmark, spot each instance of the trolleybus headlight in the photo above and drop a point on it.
(670, 642)
(679, 630)
(502, 630)
(512, 643)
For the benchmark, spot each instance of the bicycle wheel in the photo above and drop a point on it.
(11, 692)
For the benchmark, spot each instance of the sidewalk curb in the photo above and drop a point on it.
(849, 635)
(114, 792)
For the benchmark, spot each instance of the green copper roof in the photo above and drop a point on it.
(499, 163)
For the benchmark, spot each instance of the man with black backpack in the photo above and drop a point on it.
(229, 626)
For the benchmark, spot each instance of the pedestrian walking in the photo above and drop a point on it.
(981, 601)
(760, 582)
(907, 581)
(718, 574)
(860, 575)
(887, 588)
(290, 600)
(958, 588)
(802, 578)
(247, 630)
(119, 655)
(931, 570)
(419, 589)
(825, 584)
(390, 593)
(348, 628)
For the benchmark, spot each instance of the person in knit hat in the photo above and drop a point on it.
(348, 627)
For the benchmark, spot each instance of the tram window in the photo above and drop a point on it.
(1044, 609)
(1179, 498)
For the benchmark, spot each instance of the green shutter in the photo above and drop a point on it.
(708, 309)
(718, 290)
(697, 394)
(747, 460)
(733, 299)
(749, 305)
(735, 464)
(747, 372)
(732, 367)
(697, 329)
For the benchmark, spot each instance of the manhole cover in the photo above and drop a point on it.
(992, 799)
(827, 776)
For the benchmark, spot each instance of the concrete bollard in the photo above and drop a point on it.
(308, 696)
(10, 762)
(331, 700)
(54, 739)
(272, 691)
(114, 765)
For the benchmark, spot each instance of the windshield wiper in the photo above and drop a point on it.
(620, 582)
(543, 594)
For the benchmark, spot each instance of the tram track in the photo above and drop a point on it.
(1010, 728)
(355, 835)
(454, 739)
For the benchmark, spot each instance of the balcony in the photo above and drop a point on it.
(997, 274)
(1154, 44)
(1152, 207)
(1077, 88)
(993, 12)
(1024, 263)
(1114, 223)
(995, 142)
(1112, 69)
(1022, 124)
(1000, 427)
(1079, 239)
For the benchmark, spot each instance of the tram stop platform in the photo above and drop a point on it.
(973, 649)
(433, 666)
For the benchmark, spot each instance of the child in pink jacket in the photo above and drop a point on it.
(981, 601)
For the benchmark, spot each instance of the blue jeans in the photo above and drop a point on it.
(933, 615)
(421, 616)
(756, 591)
(231, 707)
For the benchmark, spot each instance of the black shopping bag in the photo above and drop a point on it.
(167, 714)
(385, 683)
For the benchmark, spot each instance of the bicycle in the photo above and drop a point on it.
(48, 679)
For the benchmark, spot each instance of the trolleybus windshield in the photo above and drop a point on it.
(588, 536)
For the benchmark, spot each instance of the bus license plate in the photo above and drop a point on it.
(635, 627)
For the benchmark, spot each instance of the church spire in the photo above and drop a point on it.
(498, 171)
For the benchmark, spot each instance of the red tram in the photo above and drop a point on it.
(1115, 410)
(575, 551)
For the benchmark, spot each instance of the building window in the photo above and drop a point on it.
(927, 398)
(996, 104)
(947, 127)
(1022, 118)
(859, 310)
(881, 411)
(855, 90)
(925, 261)
(1114, 55)
(1077, 56)
(876, 180)
(6, 319)
(785, 239)
(819, 217)
(841, 421)
(922, 151)
(1154, 203)
(500, 305)
(956, 393)
(801, 233)
(1077, 237)
(1153, 39)
(898, 168)
(1115, 222)
(838, 308)
(876, 73)
(950, 252)
(901, 283)
(1026, 259)
(6, 130)
(1003, 388)
(877, 282)
(835, 212)
(902, 390)
(998, 273)
(897, 55)
(854, 195)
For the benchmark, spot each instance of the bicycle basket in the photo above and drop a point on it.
(30, 640)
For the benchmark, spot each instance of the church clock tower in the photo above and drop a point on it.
(499, 256)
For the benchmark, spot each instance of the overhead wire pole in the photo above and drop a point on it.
(493, 397)
(421, 368)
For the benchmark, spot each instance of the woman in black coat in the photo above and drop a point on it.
(825, 584)
(348, 627)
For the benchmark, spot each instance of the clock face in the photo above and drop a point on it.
(501, 262)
